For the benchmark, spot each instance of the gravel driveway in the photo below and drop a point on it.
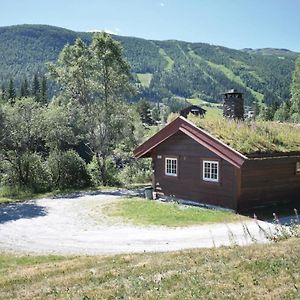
(68, 226)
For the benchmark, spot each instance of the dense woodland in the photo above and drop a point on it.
(71, 115)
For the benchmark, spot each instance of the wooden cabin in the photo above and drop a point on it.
(193, 109)
(191, 164)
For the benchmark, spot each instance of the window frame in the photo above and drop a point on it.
(210, 179)
(171, 159)
(297, 167)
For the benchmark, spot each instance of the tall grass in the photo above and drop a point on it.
(261, 137)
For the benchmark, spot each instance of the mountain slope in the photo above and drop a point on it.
(162, 68)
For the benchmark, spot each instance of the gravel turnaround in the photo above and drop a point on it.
(68, 226)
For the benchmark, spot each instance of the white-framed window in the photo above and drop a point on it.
(171, 166)
(211, 170)
(298, 167)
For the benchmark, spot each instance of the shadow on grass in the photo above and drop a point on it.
(16, 211)
(117, 192)
(285, 212)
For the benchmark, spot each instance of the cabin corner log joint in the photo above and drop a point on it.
(191, 164)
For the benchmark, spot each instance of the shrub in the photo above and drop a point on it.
(27, 170)
(103, 172)
(68, 170)
(93, 170)
(137, 171)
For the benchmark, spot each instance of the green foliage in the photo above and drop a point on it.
(136, 171)
(62, 126)
(28, 170)
(94, 172)
(295, 91)
(11, 92)
(68, 170)
(143, 108)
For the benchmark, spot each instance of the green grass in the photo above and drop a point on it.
(145, 79)
(254, 138)
(169, 60)
(198, 101)
(253, 272)
(229, 74)
(145, 212)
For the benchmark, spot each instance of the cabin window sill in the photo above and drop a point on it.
(210, 171)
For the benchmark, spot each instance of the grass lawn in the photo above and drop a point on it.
(145, 79)
(144, 212)
(253, 272)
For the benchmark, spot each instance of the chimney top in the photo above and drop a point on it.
(232, 91)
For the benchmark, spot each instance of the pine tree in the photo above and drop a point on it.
(36, 88)
(11, 93)
(3, 92)
(24, 90)
(44, 95)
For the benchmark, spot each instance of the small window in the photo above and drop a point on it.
(211, 170)
(298, 167)
(171, 166)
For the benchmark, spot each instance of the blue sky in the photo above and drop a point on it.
(232, 23)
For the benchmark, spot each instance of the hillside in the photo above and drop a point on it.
(160, 68)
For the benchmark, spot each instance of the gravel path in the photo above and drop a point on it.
(68, 226)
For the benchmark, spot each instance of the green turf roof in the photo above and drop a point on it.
(253, 138)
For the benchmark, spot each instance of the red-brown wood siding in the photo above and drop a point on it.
(189, 184)
(269, 181)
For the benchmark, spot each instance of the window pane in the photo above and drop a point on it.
(171, 166)
(210, 171)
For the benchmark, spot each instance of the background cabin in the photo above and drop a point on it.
(193, 109)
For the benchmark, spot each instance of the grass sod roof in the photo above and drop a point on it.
(253, 138)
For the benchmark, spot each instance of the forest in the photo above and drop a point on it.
(161, 69)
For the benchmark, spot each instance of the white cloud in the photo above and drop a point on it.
(162, 4)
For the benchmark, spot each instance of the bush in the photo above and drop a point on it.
(28, 170)
(103, 172)
(93, 170)
(137, 171)
(68, 170)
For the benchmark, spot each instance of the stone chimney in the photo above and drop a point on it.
(233, 106)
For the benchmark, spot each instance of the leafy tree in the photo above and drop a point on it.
(73, 73)
(19, 138)
(67, 170)
(62, 126)
(97, 78)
